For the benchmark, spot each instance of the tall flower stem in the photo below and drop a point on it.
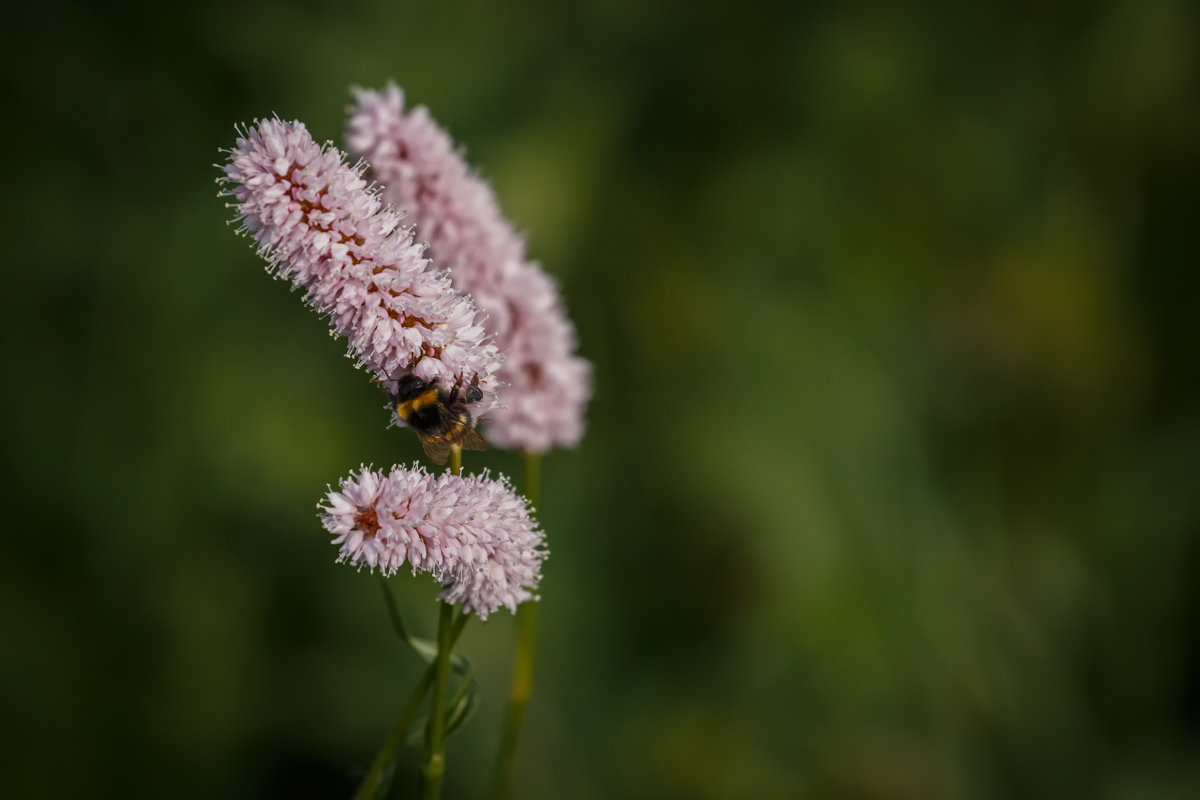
(435, 758)
(522, 680)
(373, 783)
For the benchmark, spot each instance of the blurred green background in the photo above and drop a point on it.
(890, 484)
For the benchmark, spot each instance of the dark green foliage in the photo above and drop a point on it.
(890, 483)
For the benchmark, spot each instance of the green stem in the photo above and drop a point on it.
(435, 758)
(435, 753)
(533, 478)
(374, 781)
(522, 680)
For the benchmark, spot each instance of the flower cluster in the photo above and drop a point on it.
(473, 534)
(324, 229)
(545, 385)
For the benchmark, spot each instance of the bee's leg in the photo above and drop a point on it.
(454, 391)
(387, 377)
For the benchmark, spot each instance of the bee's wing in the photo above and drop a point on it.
(437, 449)
(471, 440)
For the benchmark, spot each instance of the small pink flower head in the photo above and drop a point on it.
(547, 384)
(473, 534)
(322, 228)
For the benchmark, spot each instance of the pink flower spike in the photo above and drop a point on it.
(473, 534)
(321, 227)
(546, 385)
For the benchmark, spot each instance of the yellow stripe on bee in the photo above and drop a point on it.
(411, 406)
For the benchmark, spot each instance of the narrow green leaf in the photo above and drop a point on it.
(460, 708)
(424, 648)
(463, 706)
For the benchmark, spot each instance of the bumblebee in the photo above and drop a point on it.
(440, 419)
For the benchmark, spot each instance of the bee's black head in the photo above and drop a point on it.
(410, 386)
